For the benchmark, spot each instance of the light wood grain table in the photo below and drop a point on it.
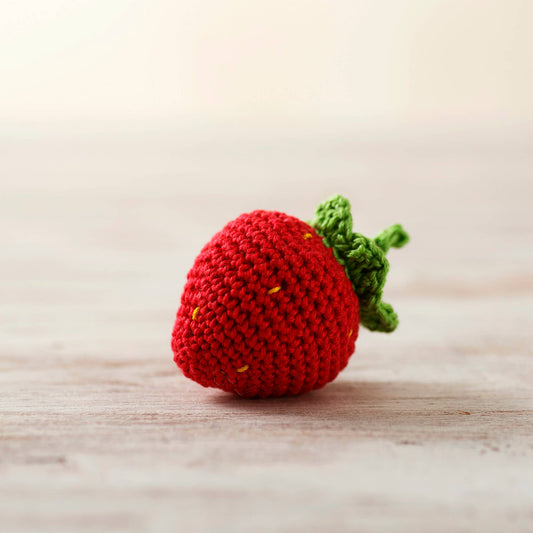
(429, 429)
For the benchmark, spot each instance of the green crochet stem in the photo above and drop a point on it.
(362, 258)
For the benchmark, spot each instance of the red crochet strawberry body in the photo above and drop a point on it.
(267, 310)
(272, 305)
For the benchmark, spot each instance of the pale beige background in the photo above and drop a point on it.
(270, 61)
(131, 131)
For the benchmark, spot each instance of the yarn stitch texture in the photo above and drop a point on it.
(272, 304)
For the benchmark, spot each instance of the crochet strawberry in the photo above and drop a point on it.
(272, 305)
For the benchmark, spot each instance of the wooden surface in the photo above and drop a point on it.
(428, 429)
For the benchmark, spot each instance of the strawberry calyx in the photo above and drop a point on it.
(363, 259)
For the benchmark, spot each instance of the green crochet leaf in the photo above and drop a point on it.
(362, 258)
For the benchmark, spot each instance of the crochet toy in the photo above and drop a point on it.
(272, 304)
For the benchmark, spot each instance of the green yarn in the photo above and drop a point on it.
(362, 258)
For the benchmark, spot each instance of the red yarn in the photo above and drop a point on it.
(266, 311)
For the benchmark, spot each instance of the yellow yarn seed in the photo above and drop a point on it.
(273, 290)
(350, 334)
(195, 313)
(308, 236)
(243, 368)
